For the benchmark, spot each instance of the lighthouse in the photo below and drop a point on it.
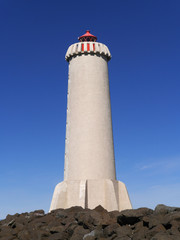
(89, 167)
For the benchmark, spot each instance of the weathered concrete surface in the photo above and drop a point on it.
(89, 150)
(110, 194)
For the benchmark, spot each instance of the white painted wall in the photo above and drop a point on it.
(89, 152)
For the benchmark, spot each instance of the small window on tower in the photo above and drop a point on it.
(82, 47)
(88, 48)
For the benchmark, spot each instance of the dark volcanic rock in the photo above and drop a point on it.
(133, 216)
(77, 223)
(163, 209)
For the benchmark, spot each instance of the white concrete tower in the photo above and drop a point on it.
(89, 174)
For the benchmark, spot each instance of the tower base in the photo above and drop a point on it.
(110, 194)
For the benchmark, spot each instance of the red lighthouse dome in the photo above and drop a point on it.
(87, 37)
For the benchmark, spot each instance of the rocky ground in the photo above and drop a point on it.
(77, 223)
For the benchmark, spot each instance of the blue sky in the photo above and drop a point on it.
(144, 40)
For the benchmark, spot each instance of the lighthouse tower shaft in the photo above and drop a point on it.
(89, 174)
(89, 152)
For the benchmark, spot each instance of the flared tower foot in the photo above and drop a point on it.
(110, 194)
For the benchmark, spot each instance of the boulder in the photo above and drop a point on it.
(77, 223)
(133, 216)
(163, 209)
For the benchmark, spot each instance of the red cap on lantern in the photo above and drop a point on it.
(87, 37)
